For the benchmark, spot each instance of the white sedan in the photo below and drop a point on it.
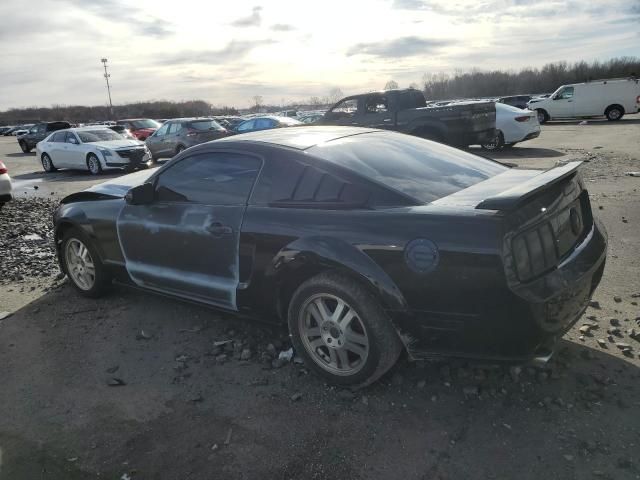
(513, 125)
(5, 185)
(93, 148)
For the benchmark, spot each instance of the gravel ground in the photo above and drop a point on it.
(139, 386)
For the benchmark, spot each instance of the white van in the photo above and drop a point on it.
(611, 98)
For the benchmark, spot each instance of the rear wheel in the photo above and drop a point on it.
(614, 113)
(93, 165)
(543, 116)
(495, 143)
(82, 264)
(341, 331)
(25, 148)
(180, 149)
(47, 164)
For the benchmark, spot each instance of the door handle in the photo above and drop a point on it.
(218, 230)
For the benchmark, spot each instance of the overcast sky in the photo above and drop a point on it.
(227, 51)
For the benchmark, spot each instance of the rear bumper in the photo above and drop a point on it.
(479, 137)
(516, 324)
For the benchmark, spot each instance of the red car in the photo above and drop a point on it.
(141, 128)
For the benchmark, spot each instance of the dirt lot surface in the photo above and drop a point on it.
(135, 386)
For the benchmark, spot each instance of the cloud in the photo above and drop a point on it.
(399, 47)
(253, 20)
(282, 27)
(121, 12)
(234, 51)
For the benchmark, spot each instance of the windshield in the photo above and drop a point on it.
(416, 167)
(90, 136)
(146, 123)
(205, 125)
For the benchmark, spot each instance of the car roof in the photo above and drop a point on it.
(297, 137)
(88, 127)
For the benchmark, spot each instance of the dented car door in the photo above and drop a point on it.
(185, 242)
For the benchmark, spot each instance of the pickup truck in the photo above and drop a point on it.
(460, 124)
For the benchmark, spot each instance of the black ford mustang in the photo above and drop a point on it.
(365, 241)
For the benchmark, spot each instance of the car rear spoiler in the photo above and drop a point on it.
(513, 197)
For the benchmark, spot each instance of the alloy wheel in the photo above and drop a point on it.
(79, 263)
(46, 163)
(333, 334)
(94, 166)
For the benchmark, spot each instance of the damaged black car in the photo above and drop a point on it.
(366, 242)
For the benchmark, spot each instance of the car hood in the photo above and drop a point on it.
(116, 144)
(118, 187)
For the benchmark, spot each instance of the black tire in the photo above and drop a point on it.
(102, 277)
(47, 163)
(25, 148)
(384, 344)
(180, 149)
(495, 144)
(93, 164)
(614, 113)
(543, 116)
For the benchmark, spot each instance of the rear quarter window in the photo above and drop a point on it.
(414, 167)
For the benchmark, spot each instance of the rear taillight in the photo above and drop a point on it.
(524, 118)
(3, 169)
(638, 99)
(534, 252)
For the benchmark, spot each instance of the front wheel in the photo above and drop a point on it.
(543, 117)
(341, 331)
(47, 164)
(494, 143)
(82, 264)
(93, 165)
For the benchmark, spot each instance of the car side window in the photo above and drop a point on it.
(58, 137)
(71, 138)
(248, 125)
(345, 109)
(286, 183)
(565, 93)
(175, 128)
(263, 123)
(162, 130)
(209, 178)
(376, 104)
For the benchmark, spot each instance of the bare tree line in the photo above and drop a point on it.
(79, 113)
(546, 79)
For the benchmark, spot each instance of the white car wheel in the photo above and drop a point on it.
(93, 164)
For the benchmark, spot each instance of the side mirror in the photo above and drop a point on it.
(140, 195)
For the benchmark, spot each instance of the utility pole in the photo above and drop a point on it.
(106, 77)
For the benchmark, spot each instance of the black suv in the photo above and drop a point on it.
(39, 132)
